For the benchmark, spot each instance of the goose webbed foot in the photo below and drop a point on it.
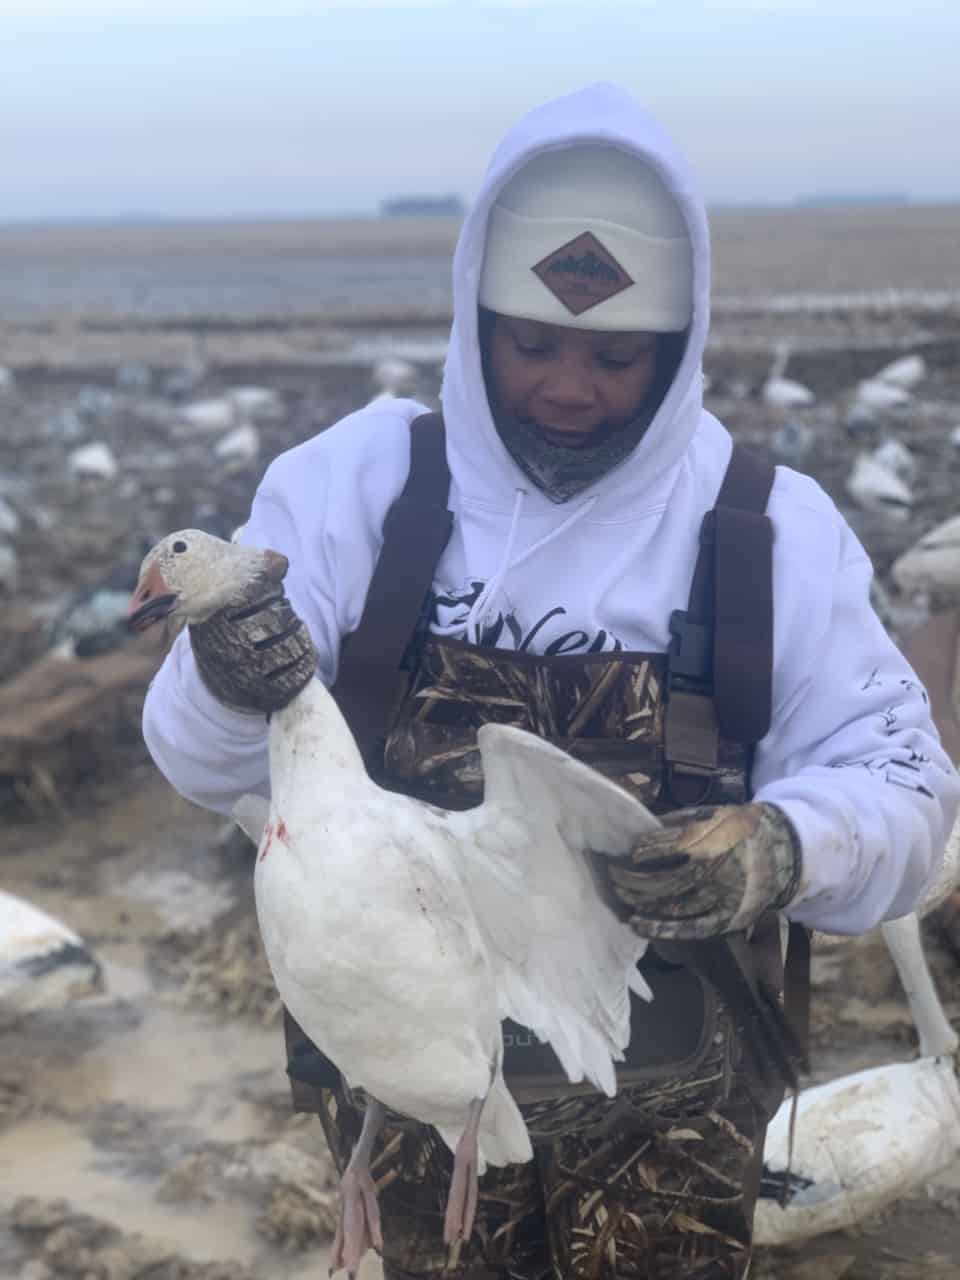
(359, 1226)
(464, 1187)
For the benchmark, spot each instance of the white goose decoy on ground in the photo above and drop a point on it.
(906, 372)
(779, 392)
(209, 416)
(895, 455)
(876, 486)
(868, 1139)
(399, 934)
(393, 376)
(256, 402)
(933, 563)
(43, 963)
(873, 395)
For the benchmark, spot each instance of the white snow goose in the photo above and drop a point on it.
(399, 935)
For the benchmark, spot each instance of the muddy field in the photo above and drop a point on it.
(146, 1132)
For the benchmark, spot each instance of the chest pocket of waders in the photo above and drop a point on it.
(670, 1036)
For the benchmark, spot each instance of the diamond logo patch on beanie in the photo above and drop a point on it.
(582, 273)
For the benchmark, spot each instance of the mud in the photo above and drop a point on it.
(147, 1131)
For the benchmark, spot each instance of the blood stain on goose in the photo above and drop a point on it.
(267, 840)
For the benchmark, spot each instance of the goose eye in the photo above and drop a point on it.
(179, 546)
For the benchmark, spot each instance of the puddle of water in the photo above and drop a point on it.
(181, 1066)
(52, 1158)
(159, 1056)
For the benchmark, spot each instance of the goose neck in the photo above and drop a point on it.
(309, 735)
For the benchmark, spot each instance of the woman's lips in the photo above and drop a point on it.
(572, 439)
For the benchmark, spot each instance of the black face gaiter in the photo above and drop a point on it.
(559, 472)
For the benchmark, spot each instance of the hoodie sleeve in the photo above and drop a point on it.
(852, 757)
(322, 505)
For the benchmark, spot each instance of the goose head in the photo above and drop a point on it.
(190, 575)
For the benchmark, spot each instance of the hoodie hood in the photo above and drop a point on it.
(482, 466)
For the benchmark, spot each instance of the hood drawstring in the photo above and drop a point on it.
(473, 627)
(493, 584)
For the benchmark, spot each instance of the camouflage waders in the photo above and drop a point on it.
(657, 1182)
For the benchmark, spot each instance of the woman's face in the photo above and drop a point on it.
(569, 383)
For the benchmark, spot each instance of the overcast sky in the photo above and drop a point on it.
(302, 107)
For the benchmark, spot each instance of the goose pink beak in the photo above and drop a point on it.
(151, 601)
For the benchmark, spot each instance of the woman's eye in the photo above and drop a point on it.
(530, 349)
(616, 362)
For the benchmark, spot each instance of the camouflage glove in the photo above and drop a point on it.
(255, 656)
(707, 871)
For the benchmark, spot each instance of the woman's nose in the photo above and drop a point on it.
(568, 385)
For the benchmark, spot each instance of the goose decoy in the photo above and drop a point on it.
(933, 563)
(393, 377)
(43, 963)
(873, 395)
(867, 1139)
(779, 392)
(905, 372)
(875, 486)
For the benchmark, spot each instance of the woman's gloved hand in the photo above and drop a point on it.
(707, 871)
(256, 657)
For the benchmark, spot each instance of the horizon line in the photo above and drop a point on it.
(806, 203)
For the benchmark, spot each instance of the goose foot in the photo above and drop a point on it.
(359, 1226)
(464, 1188)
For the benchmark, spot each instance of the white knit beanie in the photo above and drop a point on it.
(589, 236)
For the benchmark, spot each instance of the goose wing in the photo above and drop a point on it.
(565, 964)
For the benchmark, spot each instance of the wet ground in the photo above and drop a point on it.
(147, 1131)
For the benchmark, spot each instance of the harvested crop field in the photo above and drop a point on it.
(146, 1131)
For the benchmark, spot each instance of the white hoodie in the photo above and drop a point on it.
(852, 755)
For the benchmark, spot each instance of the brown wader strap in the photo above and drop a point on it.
(796, 986)
(719, 684)
(720, 663)
(415, 532)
